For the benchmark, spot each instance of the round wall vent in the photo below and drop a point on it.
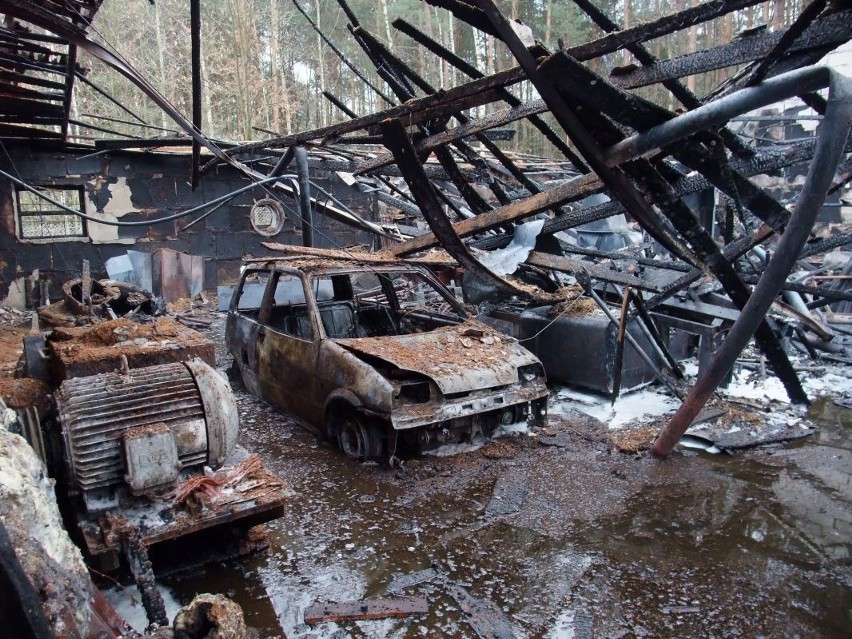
(267, 216)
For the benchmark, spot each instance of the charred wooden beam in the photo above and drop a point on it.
(15, 131)
(397, 140)
(832, 140)
(472, 127)
(702, 243)
(20, 78)
(13, 40)
(660, 27)
(340, 105)
(397, 74)
(617, 182)
(509, 98)
(807, 16)
(21, 65)
(678, 90)
(16, 92)
(593, 92)
(69, 86)
(572, 190)
(471, 197)
(588, 184)
(466, 13)
(830, 30)
(574, 266)
(430, 107)
(34, 37)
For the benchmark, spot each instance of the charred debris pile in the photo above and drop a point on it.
(690, 217)
(719, 217)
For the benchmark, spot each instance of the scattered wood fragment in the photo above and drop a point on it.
(366, 609)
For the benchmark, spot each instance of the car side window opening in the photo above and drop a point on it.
(288, 309)
(336, 305)
(250, 295)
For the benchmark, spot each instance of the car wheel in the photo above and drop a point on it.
(358, 441)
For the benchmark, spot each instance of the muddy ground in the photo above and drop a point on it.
(553, 535)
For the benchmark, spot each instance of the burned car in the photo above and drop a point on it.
(377, 356)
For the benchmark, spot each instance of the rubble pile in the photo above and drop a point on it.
(52, 563)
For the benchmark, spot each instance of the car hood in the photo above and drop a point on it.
(466, 357)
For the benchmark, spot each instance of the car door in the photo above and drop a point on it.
(243, 325)
(288, 347)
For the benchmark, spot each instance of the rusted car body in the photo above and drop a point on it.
(377, 356)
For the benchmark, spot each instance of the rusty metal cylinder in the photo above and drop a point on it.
(96, 412)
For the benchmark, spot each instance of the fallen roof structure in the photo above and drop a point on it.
(641, 154)
(644, 157)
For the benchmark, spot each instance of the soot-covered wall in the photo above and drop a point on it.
(142, 187)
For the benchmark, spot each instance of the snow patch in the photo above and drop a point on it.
(643, 404)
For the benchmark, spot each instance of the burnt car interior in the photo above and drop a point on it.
(350, 305)
(376, 304)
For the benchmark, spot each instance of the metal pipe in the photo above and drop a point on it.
(305, 196)
(833, 133)
(775, 89)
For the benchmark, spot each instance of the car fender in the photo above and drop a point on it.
(354, 379)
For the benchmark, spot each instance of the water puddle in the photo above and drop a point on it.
(555, 542)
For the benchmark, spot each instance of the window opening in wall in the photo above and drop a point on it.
(39, 219)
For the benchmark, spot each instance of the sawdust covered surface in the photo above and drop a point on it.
(88, 351)
(452, 349)
(576, 307)
(11, 347)
(118, 331)
(633, 440)
(23, 392)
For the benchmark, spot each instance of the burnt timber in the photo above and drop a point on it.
(641, 157)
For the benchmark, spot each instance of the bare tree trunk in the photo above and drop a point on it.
(693, 47)
(274, 65)
(451, 45)
(777, 15)
(548, 22)
(628, 22)
(387, 24)
(161, 48)
(443, 66)
(205, 97)
(321, 113)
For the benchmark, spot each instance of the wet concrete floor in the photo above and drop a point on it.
(519, 539)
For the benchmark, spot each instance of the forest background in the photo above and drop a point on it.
(264, 67)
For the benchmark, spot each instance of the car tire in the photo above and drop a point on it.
(357, 440)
